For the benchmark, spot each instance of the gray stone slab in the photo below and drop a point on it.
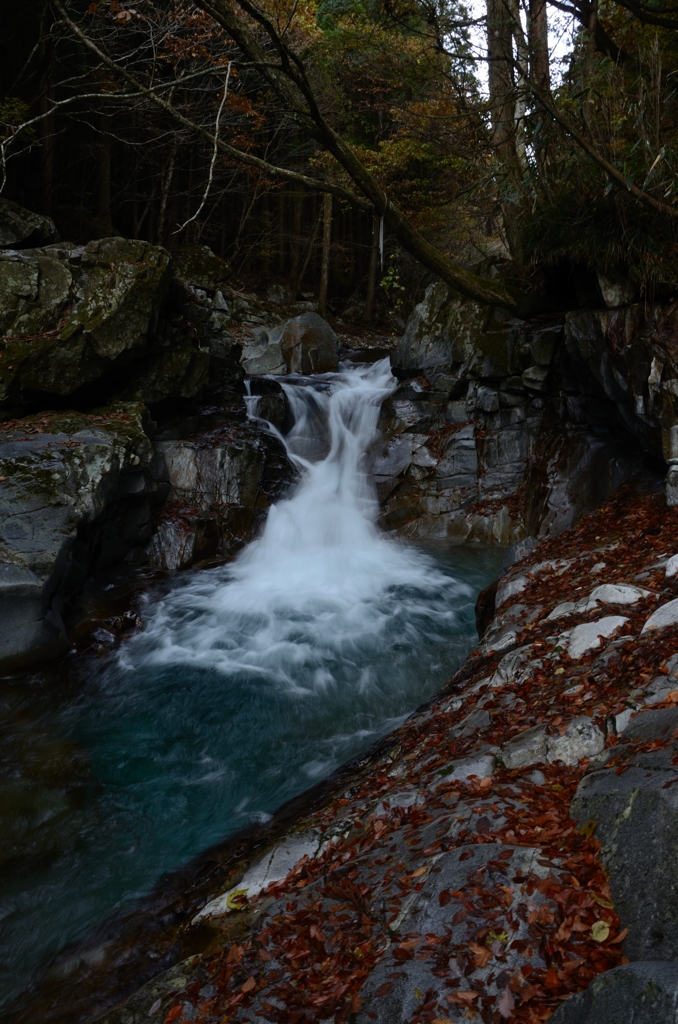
(410, 980)
(22, 625)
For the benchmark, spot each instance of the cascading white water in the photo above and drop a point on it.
(320, 583)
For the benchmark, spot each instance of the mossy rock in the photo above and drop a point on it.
(199, 267)
(71, 315)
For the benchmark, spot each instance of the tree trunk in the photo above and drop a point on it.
(104, 190)
(521, 71)
(501, 30)
(325, 266)
(538, 38)
(297, 214)
(372, 274)
(166, 185)
(47, 154)
(281, 231)
(309, 251)
(266, 251)
(500, 79)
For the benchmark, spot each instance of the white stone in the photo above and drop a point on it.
(481, 766)
(617, 593)
(672, 566)
(406, 798)
(509, 589)
(666, 615)
(421, 456)
(514, 666)
(587, 636)
(622, 720)
(527, 747)
(566, 608)
(581, 739)
(503, 641)
(606, 593)
(275, 866)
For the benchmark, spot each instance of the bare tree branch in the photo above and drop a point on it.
(215, 150)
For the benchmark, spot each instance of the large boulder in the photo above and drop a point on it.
(303, 344)
(629, 353)
(73, 317)
(446, 332)
(633, 802)
(640, 993)
(309, 345)
(22, 229)
(75, 495)
(198, 267)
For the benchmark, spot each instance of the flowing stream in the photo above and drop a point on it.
(248, 683)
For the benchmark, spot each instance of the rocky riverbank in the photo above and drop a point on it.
(507, 848)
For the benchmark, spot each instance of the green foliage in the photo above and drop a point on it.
(393, 286)
(13, 112)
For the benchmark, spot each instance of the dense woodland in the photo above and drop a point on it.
(352, 149)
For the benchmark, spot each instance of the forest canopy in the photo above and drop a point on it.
(413, 138)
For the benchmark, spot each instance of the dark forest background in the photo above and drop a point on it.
(563, 170)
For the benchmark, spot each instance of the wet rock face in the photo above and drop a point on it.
(71, 316)
(221, 483)
(458, 438)
(75, 495)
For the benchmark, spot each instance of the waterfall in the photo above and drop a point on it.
(320, 590)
